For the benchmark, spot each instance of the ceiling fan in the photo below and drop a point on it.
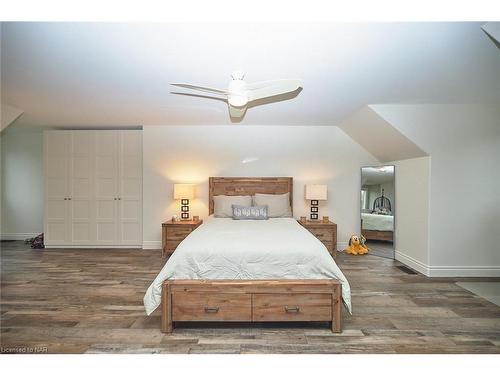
(240, 94)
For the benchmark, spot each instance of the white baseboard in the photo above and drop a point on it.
(18, 236)
(448, 271)
(461, 271)
(341, 246)
(412, 263)
(151, 245)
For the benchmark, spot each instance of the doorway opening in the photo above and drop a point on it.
(378, 209)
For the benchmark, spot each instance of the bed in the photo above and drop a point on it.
(249, 270)
(377, 227)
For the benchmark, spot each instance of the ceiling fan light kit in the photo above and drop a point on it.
(239, 93)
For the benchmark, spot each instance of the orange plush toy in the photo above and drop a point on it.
(362, 241)
(356, 247)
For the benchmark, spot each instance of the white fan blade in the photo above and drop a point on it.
(200, 88)
(259, 90)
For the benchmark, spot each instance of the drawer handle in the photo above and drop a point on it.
(291, 310)
(212, 310)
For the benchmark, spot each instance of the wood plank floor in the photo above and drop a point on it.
(90, 301)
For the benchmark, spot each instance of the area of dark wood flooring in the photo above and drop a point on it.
(90, 301)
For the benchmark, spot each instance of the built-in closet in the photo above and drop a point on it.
(93, 188)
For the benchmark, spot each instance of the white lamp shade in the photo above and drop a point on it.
(183, 191)
(316, 192)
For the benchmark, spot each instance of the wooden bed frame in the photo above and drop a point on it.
(379, 235)
(251, 300)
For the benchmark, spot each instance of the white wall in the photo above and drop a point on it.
(22, 183)
(412, 185)
(464, 144)
(309, 154)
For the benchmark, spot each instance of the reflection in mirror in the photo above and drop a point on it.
(377, 209)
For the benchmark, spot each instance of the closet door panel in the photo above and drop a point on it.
(56, 170)
(106, 187)
(82, 191)
(106, 233)
(130, 188)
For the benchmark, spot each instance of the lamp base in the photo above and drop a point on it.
(184, 209)
(314, 209)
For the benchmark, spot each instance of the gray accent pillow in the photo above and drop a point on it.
(249, 212)
(223, 204)
(278, 205)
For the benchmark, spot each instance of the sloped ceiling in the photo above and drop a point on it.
(379, 137)
(8, 114)
(493, 31)
(99, 74)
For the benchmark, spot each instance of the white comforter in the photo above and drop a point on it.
(248, 249)
(378, 222)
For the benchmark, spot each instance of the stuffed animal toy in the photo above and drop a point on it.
(362, 241)
(355, 247)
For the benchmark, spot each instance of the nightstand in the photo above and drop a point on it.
(173, 232)
(325, 232)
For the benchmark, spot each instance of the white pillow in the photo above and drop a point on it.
(223, 204)
(278, 205)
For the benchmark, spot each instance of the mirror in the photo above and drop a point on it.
(377, 209)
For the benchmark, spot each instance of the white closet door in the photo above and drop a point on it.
(130, 188)
(56, 169)
(81, 197)
(106, 187)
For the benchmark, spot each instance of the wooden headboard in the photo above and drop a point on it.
(248, 186)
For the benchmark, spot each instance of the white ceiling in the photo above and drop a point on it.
(377, 175)
(77, 74)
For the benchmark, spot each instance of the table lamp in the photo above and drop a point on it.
(184, 192)
(315, 193)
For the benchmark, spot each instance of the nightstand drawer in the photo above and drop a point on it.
(178, 233)
(326, 232)
(174, 232)
(322, 234)
(172, 244)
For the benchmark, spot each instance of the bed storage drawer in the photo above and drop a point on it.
(292, 307)
(194, 306)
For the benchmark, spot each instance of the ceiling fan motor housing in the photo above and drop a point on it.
(237, 96)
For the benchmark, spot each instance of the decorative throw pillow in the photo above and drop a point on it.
(223, 204)
(249, 212)
(278, 205)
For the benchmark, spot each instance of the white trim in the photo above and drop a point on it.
(412, 263)
(447, 271)
(151, 245)
(464, 271)
(341, 246)
(18, 236)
